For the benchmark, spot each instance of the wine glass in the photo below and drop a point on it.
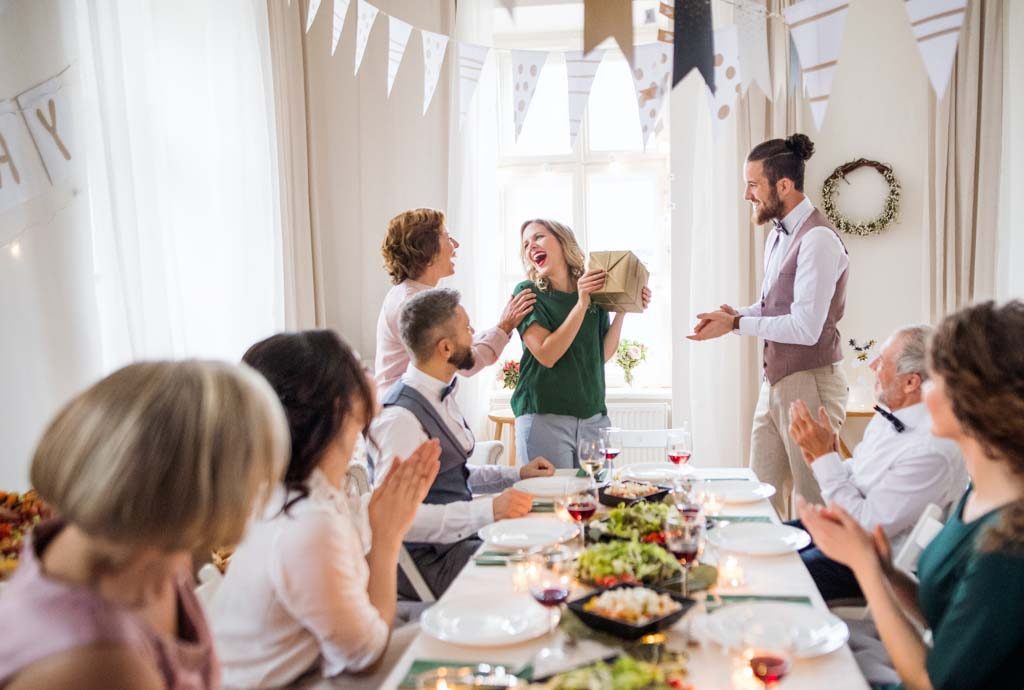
(768, 650)
(550, 582)
(684, 538)
(679, 446)
(685, 496)
(611, 443)
(591, 457)
(580, 507)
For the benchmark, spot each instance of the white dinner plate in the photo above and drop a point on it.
(740, 490)
(759, 538)
(552, 487)
(527, 533)
(655, 472)
(485, 621)
(815, 632)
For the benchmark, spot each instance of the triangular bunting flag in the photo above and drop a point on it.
(526, 69)
(434, 46)
(728, 78)
(398, 39)
(367, 15)
(580, 71)
(816, 27)
(694, 43)
(652, 69)
(471, 65)
(314, 6)
(604, 18)
(752, 23)
(936, 26)
(509, 5)
(340, 10)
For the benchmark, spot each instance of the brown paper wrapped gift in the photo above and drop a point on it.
(626, 278)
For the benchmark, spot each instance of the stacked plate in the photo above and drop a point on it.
(758, 538)
(527, 533)
(485, 621)
(739, 490)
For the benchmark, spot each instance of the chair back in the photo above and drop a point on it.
(359, 477)
(928, 525)
(209, 582)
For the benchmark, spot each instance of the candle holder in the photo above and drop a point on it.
(730, 573)
(479, 677)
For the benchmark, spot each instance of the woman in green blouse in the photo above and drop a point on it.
(560, 394)
(971, 591)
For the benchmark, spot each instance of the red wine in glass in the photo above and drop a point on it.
(769, 669)
(581, 512)
(686, 553)
(611, 453)
(679, 457)
(551, 596)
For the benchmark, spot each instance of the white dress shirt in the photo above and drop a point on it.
(892, 475)
(296, 592)
(397, 433)
(821, 262)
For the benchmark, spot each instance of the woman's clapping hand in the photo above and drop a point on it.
(394, 503)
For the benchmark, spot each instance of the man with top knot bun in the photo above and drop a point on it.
(802, 300)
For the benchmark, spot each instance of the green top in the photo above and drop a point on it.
(974, 605)
(575, 385)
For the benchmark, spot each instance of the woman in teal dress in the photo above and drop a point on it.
(971, 591)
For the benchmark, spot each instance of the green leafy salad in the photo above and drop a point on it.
(626, 561)
(625, 673)
(637, 520)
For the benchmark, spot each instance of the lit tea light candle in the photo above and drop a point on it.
(712, 505)
(521, 571)
(730, 572)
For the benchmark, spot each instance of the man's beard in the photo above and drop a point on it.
(463, 359)
(768, 210)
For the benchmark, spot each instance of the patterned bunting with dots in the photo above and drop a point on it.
(340, 10)
(652, 69)
(398, 39)
(728, 78)
(314, 7)
(526, 69)
(694, 43)
(752, 23)
(367, 15)
(434, 46)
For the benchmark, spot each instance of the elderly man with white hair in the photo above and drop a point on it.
(898, 468)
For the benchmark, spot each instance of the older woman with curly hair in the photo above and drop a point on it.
(418, 252)
(969, 593)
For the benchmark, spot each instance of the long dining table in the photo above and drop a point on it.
(709, 667)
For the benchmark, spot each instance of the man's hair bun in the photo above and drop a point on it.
(801, 145)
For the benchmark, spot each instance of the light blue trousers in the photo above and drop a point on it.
(555, 437)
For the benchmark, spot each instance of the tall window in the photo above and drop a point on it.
(607, 188)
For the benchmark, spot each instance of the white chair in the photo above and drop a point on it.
(928, 525)
(209, 582)
(359, 478)
(487, 453)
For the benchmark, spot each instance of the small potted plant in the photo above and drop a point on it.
(509, 374)
(629, 355)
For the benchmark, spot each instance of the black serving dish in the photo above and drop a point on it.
(613, 501)
(626, 630)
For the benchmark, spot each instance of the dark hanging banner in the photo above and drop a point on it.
(694, 41)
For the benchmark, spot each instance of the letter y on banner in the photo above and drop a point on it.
(47, 111)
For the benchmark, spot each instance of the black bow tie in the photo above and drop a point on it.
(779, 227)
(449, 389)
(892, 419)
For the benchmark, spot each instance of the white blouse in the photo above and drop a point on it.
(296, 593)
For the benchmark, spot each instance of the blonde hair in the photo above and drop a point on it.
(570, 250)
(412, 241)
(174, 455)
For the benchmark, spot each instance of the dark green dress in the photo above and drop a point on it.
(575, 385)
(974, 605)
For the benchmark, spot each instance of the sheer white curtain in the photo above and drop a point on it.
(472, 201)
(182, 176)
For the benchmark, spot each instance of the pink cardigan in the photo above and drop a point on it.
(392, 360)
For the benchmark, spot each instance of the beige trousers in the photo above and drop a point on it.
(774, 456)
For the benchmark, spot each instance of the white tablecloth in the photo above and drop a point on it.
(709, 667)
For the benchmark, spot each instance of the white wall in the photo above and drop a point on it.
(49, 345)
(370, 157)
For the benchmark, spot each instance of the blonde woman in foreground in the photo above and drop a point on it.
(155, 462)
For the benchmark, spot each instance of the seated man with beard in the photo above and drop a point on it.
(435, 330)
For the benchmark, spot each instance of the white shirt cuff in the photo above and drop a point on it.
(829, 469)
(481, 511)
(748, 326)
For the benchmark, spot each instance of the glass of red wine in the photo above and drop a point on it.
(550, 581)
(678, 446)
(768, 651)
(610, 440)
(581, 507)
(684, 539)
